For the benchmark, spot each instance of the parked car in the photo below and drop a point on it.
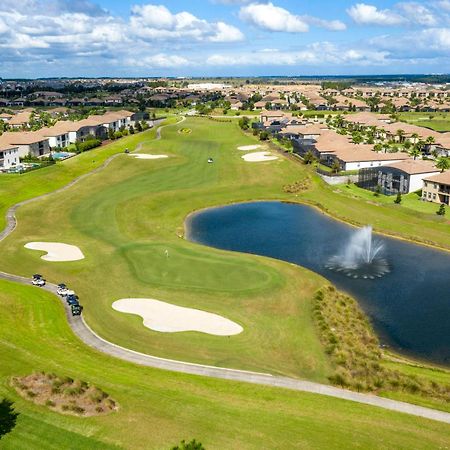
(76, 310)
(38, 280)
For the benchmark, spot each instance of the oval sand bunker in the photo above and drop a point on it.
(168, 318)
(57, 252)
(147, 156)
(259, 157)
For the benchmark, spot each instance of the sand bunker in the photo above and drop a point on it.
(167, 318)
(57, 252)
(147, 156)
(259, 156)
(246, 148)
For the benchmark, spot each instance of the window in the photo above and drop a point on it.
(434, 196)
(429, 195)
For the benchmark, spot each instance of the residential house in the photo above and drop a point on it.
(437, 188)
(401, 177)
(9, 156)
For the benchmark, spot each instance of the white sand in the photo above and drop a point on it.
(167, 318)
(246, 148)
(147, 156)
(259, 156)
(57, 252)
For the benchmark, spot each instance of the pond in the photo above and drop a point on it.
(409, 306)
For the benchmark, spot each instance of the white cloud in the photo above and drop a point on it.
(269, 17)
(444, 4)
(364, 14)
(403, 13)
(156, 22)
(159, 60)
(315, 54)
(425, 44)
(332, 25)
(417, 13)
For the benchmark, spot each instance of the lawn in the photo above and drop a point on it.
(125, 217)
(434, 121)
(411, 201)
(158, 409)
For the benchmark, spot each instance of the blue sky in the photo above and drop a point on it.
(222, 37)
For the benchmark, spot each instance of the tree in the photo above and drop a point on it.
(309, 158)
(193, 445)
(415, 152)
(401, 135)
(441, 210)
(263, 136)
(443, 164)
(8, 417)
(111, 134)
(398, 199)
(377, 191)
(336, 167)
(244, 123)
(377, 147)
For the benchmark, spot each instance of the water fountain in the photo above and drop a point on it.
(361, 258)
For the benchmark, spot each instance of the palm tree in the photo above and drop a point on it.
(336, 167)
(309, 158)
(443, 164)
(401, 135)
(415, 152)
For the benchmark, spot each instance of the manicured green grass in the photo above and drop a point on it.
(158, 409)
(434, 121)
(126, 217)
(411, 201)
(15, 188)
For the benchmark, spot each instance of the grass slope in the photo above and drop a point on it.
(126, 217)
(159, 408)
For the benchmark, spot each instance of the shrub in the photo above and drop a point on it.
(87, 145)
(441, 210)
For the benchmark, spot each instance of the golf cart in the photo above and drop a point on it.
(127, 151)
(76, 310)
(72, 300)
(62, 290)
(210, 160)
(38, 280)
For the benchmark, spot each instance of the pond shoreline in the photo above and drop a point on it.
(403, 352)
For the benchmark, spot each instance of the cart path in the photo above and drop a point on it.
(93, 340)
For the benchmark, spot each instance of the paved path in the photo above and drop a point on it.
(90, 338)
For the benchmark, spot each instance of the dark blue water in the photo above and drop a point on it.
(409, 307)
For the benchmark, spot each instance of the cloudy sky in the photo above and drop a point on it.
(41, 38)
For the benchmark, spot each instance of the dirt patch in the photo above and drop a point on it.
(64, 395)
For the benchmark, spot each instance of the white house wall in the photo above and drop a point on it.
(357, 165)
